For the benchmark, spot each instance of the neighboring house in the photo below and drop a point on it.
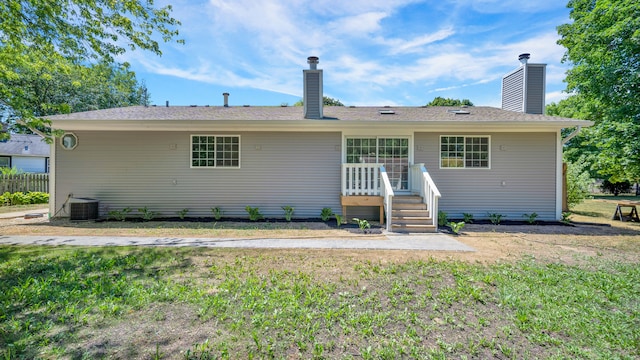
(481, 160)
(27, 153)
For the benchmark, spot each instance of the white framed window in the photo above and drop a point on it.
(69, 141)
(465, 152)
(215, 151)
(393, 152)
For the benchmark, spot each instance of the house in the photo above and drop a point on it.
(408, 162)
(27, 153)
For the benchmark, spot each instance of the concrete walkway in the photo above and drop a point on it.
(436, 241)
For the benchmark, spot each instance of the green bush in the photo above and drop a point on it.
(20, 198)
(578, 182)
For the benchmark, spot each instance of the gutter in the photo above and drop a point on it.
(572, 135)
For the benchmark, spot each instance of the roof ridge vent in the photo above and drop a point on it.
(386, 112)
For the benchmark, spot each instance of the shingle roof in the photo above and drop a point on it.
(17, 143)
(295, 113)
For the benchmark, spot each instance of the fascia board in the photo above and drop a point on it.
(312, 125)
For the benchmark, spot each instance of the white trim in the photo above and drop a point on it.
(308, 125)
(464, 167)
(381, 135)
(559, 175)
(215, 166)
(52, 179)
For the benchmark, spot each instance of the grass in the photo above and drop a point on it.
(91, 303)
(8, 209)
(602, 206)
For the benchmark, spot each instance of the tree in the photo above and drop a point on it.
(55, 85)
(61, 35)
(326, 101)
(440, 101)
(603, 46)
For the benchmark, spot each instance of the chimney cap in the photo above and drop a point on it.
(523, 58)
(313, 62)
(225, 93)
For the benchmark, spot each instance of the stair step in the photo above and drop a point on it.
(413, 228)
(418, 220)
(410, 213)
(409, 206)
(407, 200)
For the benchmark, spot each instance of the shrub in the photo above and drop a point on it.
(147, 214)
(217, 212)
(254, 213)
(467, 217)
(362, 224)
(182, 213)
(338, 219)
(288, 212)
(119, 215)
(456, 226)
(443, 218)
(20, 198)
(578, 182)
(531, 218)
(495, 218)
(326, 213)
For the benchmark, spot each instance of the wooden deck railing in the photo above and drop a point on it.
(24, 183)
(423, 184)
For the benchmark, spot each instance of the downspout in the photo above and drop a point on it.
(572, 135)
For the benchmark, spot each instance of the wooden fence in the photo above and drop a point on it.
(24, 183)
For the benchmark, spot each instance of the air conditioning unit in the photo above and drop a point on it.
(83, 209)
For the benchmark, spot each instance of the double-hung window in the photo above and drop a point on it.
(215, 151)
(464, 152)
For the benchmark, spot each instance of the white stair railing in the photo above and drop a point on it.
(386, 191)
(423, 184)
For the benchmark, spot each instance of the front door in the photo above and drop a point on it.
(392, 152)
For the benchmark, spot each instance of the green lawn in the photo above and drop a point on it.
(77, 303)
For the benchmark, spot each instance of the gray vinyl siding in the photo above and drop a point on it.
(137, 169)
(526, 162)
(535, 90)
(512, 91)
(313, 94)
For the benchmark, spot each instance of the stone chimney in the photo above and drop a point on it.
(312, 92)
(523, 89)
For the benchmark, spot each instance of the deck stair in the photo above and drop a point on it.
(410, 215)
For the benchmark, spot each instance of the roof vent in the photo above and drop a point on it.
(226, 99)
(459, 112)
(386, 112)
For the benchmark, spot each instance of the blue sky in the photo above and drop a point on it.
(373, 52)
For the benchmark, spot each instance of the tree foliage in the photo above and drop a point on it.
(57, 56)
(326, 101)
(52, 85)
(603, 47)
(82, 29)
(440, 101)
